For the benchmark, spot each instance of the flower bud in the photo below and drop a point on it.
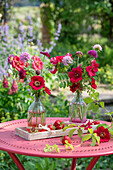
(14, 87)
(38, 72)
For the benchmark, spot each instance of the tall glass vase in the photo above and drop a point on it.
(78, 109)
(36, 113)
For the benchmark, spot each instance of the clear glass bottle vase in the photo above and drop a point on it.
(78, 109)
(36, 113)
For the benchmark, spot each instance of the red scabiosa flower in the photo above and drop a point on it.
(37, 63)
(103, 133)
(93, 85)
(37, 82)
(74, 87)
(92, 53)
(92, 69)
(47, 90)
(76, 74)
(17, 63)
(5, 82)
(45, 53)
(14, 87)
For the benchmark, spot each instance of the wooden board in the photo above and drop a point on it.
(22, 132)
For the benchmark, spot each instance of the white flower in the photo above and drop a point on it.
(67, 60)
(97, 47)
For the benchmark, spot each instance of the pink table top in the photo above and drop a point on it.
(12, 143)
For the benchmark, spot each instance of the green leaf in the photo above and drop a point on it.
(105, 125)
(102, 105)
(93, 141)
(88, 100)
(80, 133)
(95, 108)
(90, 106)
(86, 137)
(111, 131)
(61, 85)
(97, 138)
(71, 132)
(64, 86)
(90, 131)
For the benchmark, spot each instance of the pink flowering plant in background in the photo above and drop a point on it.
(77, 71)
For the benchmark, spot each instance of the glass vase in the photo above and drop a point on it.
(36, 113)
(78, 109)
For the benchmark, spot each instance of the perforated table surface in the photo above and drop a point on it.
(14, 144)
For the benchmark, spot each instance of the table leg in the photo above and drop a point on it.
(92, 163)
(16, 160)
(73, 165)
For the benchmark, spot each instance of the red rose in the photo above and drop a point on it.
(17, 63)
(37, 63)
(93, 68)
(93, 85)
(76, 74)
(103, 133)
(45, 53)
(54, 70)
(47, 91)
(37, 82)
(74, 87)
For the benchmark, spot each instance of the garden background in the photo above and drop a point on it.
(59, 27)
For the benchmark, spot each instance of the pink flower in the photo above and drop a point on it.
(92, 69)
(14, 87)
(54, 61)
(103, 133)
(97, 47)
(59, 58)
(37, 63)
(10, 58)
(93, 85)
(5, 83)
(67, 60)
(17, 63)
(79, 53)
(92, 53)
(10, 92)
(75, 74)
(37, 82)
(25, 57)
(47, 90)
(54, 70)
(45, 53)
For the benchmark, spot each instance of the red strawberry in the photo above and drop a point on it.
(51, 127)
(64, 138)
(59, 124)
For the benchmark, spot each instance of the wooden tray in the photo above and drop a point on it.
(22, 132)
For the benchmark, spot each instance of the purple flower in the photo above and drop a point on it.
(79, 53)
(22, 74)
(92, 53)
(10, 58)
(24, 57)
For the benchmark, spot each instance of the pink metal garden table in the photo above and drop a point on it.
(13, 144)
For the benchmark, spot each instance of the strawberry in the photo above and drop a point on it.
(59, 124)
(64, 138)
(51, 127)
